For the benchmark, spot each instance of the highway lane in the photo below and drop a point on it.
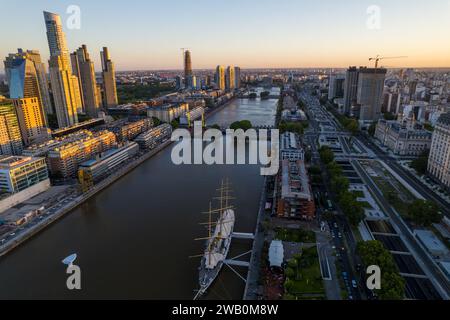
(440, 281)
(422, 189)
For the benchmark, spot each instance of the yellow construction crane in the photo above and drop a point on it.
(378, 58)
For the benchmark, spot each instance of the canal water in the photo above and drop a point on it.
(134, 239)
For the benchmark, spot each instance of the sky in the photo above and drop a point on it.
(148, 34)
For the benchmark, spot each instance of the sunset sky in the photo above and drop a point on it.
(146, 34)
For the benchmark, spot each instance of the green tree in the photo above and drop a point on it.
(215, 126)
(244, 125)
(289, 273)
(392, 286)
(424, 213)
(372, 129)
(334, 169)
(326, 155)
(340, 185)
(175, 124)
(389, 116)
(421, 163)
(293, 263)
(156, 121)
(352, 126)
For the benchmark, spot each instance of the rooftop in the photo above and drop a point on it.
(11, 162)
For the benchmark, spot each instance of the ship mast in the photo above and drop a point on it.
(209, 231)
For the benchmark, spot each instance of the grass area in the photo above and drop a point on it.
(305, 282)
(391, 195)
(295, 235)
(366, 205)
(358, 193)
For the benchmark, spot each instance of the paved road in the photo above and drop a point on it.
(339, 225)
(440, 281)
(410, 179)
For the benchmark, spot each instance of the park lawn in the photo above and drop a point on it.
(358, 193)
(366, 205)
(387, 189)
(308, 282)
(295, 235)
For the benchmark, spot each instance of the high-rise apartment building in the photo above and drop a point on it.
(10, 137)
(370, 93)
(65, 87)
(187, 64)
(109, 80)
(83, 68)
(439, 160)
(220, 78)
(27, 78)
(230, 80)
(31, 121)
(237, 77)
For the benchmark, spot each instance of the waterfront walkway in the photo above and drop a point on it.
(251, 286)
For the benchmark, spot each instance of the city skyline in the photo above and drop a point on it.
(298, 40)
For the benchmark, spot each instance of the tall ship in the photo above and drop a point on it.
(217, 245)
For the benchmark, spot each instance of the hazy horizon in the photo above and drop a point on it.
(268, 34)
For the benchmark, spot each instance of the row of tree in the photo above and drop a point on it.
(347, 200)
(373, 253)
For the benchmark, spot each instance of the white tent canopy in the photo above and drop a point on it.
(276, 254)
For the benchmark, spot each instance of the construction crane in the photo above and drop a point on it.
(378, 58)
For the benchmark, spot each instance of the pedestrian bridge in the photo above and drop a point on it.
(245, 236)
(237, 263)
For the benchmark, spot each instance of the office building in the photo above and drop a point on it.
(391, 103)
(27, 78)
(94, 170)
(220, 78)
(42, 149)
(65, 88)
(179, 83)
(168, 112)
(189, 117)
(230, 79)
(237, 76)
(126, 131)
(10, 136)
(109, 80)
(83, 69)
(350, 89)
(370, 93)
(187, 65)
(336, 87)
(290, 148)
(31, 121)
(403, 139)
(155, 136)
(439, 160)
(19, 173)
(63, 161)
